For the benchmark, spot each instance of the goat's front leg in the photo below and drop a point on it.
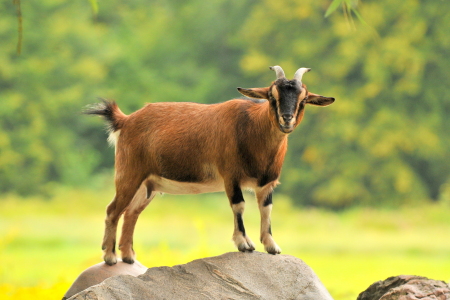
(241, 240)
(265, 208)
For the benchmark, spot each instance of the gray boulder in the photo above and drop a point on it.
(234, 275)
(407, 287)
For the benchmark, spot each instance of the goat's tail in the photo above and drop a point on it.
(111, 112)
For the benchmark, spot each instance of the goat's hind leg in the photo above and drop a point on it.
(143, 197)
(123, 197)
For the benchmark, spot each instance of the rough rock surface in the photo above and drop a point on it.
(232, 275)
(407, 287)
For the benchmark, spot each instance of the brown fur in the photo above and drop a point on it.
(174, 140)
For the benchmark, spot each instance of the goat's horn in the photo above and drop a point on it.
(279, 71)
(299, 74)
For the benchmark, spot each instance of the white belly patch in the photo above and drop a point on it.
(168, 186)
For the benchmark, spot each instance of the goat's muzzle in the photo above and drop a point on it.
(286, 123)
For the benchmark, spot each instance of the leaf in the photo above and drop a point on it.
(94, 6)
(360, 18)
(333, 6)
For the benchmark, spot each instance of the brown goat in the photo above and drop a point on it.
(190, 148)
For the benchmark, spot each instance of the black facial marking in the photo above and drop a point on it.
(240, 223)
(288, 91)
(237, 196)
(268, 200)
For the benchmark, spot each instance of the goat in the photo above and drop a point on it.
(191, 148)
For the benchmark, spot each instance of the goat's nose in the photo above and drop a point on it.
(287, 118)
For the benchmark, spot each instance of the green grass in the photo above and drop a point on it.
(46, 243)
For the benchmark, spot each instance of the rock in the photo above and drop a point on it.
(99, 272)
(407, 287)
(234, 275)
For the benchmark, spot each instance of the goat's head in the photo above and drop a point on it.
(287, 98)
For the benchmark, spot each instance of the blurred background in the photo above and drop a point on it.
(365, 190)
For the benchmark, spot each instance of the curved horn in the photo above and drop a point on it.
(279, 71)
(299, 74)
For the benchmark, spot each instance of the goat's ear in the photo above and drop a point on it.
(318, 100)
(256, 93)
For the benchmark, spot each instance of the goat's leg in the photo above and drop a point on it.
(241, 240)
(265, 208)
(124, 194)
(140, 201)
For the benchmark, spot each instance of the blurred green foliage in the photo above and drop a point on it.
(383, 142)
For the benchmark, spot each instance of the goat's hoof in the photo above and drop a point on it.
(273, 249)
(251, 246)
(128, 260)
(243, 243)
(128, 255)
(245, 247)
(110, 260)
